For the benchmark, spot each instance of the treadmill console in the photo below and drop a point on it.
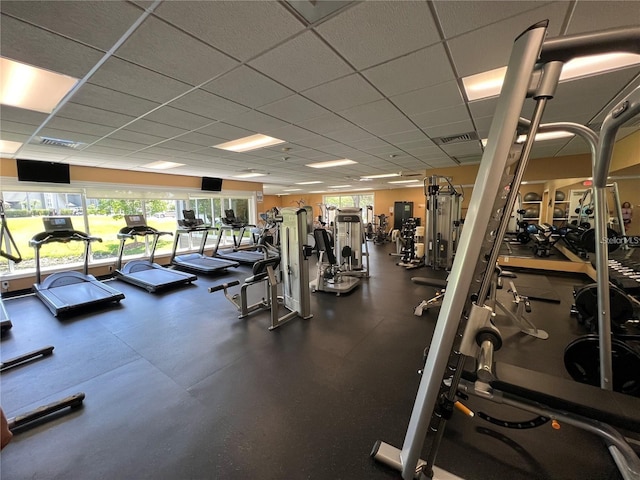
(135, 221)
(190, 220)
(57, 224)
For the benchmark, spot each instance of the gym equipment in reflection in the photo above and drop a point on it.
(466, 298)
(68, 292)
(294, 227)
(145, 273)
(444, 204)
(190, 226)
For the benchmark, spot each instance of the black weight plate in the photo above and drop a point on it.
(582, 361)
(588, 240)
(586, 300)
(523, 238)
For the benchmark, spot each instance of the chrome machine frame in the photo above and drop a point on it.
(533, 71)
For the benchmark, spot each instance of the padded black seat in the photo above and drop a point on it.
(323, 244)
(260, 269)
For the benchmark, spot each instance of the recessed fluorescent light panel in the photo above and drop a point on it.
(162, 165)
(540, 137)
(339, 186)
(382, 175)
(404, 181)
(249, 175)
(489, 84)
(309, 183)
(252, 142)
(32, 88)
(292, 190)
(7, 146)
(331, 163)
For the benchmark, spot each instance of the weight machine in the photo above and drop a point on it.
(294, 225)
(533, 71)
(443, 221)
(349, 241)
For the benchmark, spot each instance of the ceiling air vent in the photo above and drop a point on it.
(58, 142)
(462, 137)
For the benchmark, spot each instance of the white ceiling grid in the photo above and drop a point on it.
(374, 81)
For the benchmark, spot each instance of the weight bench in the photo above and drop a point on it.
(584, 406)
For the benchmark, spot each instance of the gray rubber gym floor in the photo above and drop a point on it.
(177, 387)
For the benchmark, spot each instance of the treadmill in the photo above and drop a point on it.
(197, 262)
(67, 292)
(238, 253)
(145, 273)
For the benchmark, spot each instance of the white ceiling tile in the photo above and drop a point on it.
(121, 144)
(463, 149)
(349, 134)
(125, 77)
(208, 105)
(96, 23)
(72, 126)
(293, 109)
(242, 29)
(290, 133)
(181, 146)
(326, 123)
(600, 15)
(463, 16)
(93, 115)
(225, 131)
(428, 151)
(155, 128)
(283, 63)
(42, 153)
(390, 127)
(178, 118)
(454, 114)
(428, 99)
(256, 121)
(404, 137)
(165, 49)
(21, 115)
(372, 112)
(343, 93)
(490, 47)
(15, 127)
(429, 66)
(135, 137)
(374, 32)
(483, 108)
(111, 100)
(200, 139)
(247, 87)
(40, 48)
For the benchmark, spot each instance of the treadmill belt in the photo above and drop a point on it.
(242, 256)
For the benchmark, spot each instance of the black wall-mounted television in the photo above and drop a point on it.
(211, 184)
(37, 171)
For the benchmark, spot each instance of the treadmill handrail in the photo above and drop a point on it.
(141, 231)
(42, 238)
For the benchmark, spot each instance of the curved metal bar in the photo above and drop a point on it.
(563, 49)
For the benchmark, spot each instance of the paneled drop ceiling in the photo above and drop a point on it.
(375, 81)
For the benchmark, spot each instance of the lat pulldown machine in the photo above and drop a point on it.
(533, 71)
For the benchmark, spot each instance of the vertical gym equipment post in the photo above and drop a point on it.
(294, 265)
(487, 219)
